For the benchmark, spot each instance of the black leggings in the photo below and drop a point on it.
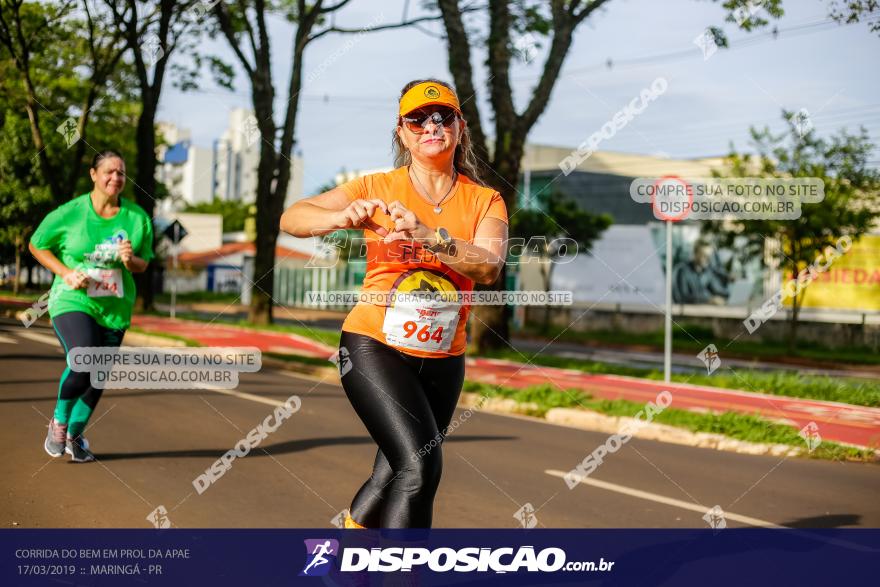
(406, 403)
(76, 396)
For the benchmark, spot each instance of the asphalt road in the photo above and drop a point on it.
(151, 444)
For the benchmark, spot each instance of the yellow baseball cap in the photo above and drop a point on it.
(426, 94)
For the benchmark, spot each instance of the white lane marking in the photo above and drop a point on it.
(665, 500)
(298, 375)
(244, 395)
(46, 339)
(6, 340)
(43, 338)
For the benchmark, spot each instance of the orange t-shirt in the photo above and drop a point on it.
(404, 266)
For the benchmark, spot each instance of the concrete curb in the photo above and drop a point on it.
(596, 422)
(499, 405)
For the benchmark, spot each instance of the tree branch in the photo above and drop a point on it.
(587, 11)
(307, 20)
(228, 32)
(498, 61)
(104, 60)
(242, 6)
(384, 27)
(334, 7)
(462, 76)
(6, 33)
(563, 27)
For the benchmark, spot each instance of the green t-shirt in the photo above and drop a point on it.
(81, 239)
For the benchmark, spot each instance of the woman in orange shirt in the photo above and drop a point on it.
(431, 227)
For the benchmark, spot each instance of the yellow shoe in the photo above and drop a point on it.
(350, 523)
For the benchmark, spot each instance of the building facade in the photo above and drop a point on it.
(227, 170)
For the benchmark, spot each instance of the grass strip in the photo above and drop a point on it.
(784, 383)
(746, 427)
(734, 425)
(847, 390)
(683, 336)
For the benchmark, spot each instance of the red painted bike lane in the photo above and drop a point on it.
(845, 423)
(212, 334)
(850, 424)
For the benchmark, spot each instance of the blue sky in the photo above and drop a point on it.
(348, 108)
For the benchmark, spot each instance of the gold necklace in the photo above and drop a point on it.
(437, 208)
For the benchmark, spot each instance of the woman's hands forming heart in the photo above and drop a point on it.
(407, 226)
(359, 213)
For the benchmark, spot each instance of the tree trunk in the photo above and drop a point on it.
(46, 168)
(262, 300)
(795, 306)
(548, 278)
(15, 282)
(511, 129)
(489, 324)
(260, 311)
(793, 322)
(145, 190)
(274, 167)
(490, 329)
(792, 325)
(31, 266)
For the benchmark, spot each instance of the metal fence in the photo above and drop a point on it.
(291, 284)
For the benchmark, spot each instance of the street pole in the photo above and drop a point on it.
(174, 279)
(667, 344)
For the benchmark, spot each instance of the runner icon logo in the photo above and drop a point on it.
(159, 518)
(810, 434)
(710, 358)
(707, 43)
(320, 556)
(342, 360)
(339, 519)
(526, 516)
(715, 518)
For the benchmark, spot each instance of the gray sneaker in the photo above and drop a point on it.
(56, 439)
(78, 449)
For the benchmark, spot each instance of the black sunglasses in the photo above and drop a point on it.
(416, 120)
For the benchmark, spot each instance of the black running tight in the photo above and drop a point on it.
(406, 403)
(77, 398)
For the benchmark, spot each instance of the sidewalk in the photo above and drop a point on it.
(849, 424)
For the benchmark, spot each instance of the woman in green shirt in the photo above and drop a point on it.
(92, 244)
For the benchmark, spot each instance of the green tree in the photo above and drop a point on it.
(65, 61)
(47, 76)
(514, 32)
(851, 206)
(556, 230)
(153, 32)
(234, 213)
(849, 11)
(244, 24)
(24, 200)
